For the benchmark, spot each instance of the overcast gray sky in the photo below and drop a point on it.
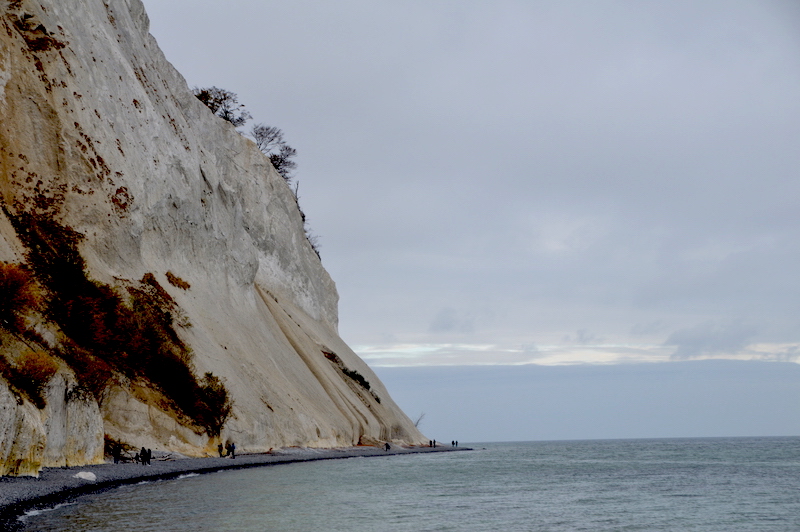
(546, 182)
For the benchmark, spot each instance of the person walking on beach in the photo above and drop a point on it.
(219, 450)
(233, 450)
(386, 447)
(143, 456)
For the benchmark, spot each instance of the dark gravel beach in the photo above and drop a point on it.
(54, 484)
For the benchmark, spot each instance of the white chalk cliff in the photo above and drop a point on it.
(101, 134)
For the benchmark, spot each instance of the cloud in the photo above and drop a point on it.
(710, 338)
(464, 354)
(790, 354)
(583, 336)
(773, 352)
(649, 328)
(449, 320)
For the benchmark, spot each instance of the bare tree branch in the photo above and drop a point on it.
(223, 103)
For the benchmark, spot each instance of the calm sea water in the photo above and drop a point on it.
(719, 484)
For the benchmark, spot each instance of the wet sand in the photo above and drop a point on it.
(56, 484)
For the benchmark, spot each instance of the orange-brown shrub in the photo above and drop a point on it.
(19, 295)
(37, 366)
(93, 373)
(32, 373)
(176, 281)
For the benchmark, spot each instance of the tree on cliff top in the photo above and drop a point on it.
(269, 140)
(223, 103)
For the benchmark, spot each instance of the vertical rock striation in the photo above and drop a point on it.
(100, 135)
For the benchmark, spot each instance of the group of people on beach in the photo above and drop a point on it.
(144, 456)
(230, 450)
(432, 443)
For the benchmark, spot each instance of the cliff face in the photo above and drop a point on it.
(102, 141)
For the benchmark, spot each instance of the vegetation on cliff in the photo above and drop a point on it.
(29, 376)
(20, 297)
(351, 374)
(106, 331)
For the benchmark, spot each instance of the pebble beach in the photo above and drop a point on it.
(56, 484)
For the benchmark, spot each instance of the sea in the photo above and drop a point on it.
(698, 484)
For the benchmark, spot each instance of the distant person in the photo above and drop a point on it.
(219, 450)
(386, 447)
(143, 456)
(434, 443)
(149, 456)
(233, 450)
(115, 452)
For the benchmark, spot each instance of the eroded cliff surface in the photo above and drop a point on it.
(118, 183)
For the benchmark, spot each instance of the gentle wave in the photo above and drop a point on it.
(40, 511)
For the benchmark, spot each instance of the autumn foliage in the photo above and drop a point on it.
(176, 281)
(19, 295)
(127, 329)
(30, 375)
(36, 368)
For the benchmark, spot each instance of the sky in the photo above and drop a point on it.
(606, 190)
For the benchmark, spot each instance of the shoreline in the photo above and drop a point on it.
(57, 484)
